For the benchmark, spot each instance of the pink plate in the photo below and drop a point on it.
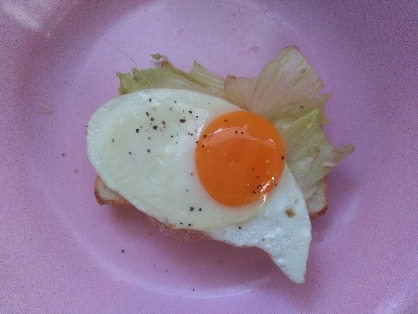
(60, 252)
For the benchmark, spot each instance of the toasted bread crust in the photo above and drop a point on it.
(317, 203)
(106, 196)
(319, 213)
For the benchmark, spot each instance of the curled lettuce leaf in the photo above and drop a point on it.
(166, 75)
(285, 92)
(285, 84)
(310, 155)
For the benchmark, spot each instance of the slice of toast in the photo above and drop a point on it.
(317, 203)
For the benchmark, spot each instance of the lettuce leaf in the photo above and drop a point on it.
(310, 155)
(285, 84)
(166, 75)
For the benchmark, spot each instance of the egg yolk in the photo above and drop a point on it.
(239, 158)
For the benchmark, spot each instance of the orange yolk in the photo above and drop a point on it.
(239, 158)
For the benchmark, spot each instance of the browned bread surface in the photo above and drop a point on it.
(105, 196)
(317, 203)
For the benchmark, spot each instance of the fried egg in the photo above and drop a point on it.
(195, 161)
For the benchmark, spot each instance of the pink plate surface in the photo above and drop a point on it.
(60, 252)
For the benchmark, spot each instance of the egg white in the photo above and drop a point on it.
(142, 145)
(151, 164)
